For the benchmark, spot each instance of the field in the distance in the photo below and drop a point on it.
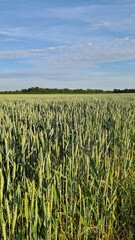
(67, 167)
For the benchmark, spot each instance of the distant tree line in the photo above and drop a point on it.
(37, 90)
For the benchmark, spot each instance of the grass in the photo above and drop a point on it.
(67, 167)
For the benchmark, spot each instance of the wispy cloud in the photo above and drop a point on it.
(93, 52)
(78, 19)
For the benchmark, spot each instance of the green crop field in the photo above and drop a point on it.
(67, 168)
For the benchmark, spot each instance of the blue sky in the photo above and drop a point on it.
(67, 44)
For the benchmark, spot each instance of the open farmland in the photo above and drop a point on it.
(67, 167)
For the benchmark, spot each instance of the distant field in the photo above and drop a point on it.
(67, 167)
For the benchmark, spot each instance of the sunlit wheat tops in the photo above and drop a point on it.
(67, 167)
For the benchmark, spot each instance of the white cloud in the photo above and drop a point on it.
(12, 31)
(92, 52)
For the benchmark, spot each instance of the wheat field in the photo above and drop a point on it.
(67, 168)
